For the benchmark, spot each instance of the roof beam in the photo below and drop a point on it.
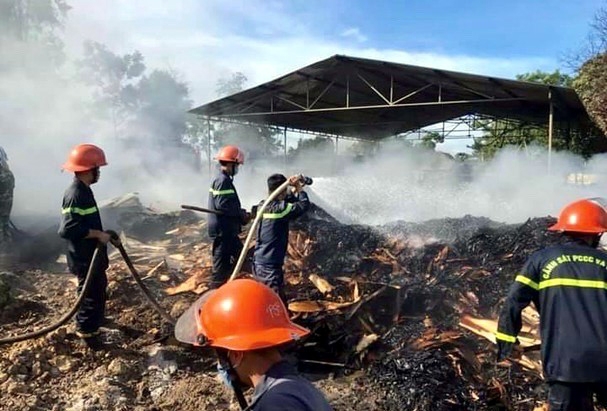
(428, 104)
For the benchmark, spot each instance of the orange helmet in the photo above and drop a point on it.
(582, 216)
(85, 157)
(241, 315)
(230, 154)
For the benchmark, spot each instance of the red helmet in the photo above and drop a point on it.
(241, 315)
(230, 154)
(582, 216)
(85, 157)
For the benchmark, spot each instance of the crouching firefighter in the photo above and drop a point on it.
(81, 227)
(273, 232)
(225, 226)
(247, 324)
(568, 285)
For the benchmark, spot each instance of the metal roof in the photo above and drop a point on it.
(371, 99)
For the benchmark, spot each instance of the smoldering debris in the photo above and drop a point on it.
(396, 325)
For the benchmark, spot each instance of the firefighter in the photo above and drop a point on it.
(568, 285)
(247, 323)
(273, 232)
(7, 186)
(81, 227)
(224, 228)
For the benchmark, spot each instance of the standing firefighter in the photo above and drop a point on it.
(225, 227)
(81, 227)
(247, 323)
(568, 285)
(7, 185)
(273, 232)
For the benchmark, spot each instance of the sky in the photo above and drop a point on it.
(204, 40)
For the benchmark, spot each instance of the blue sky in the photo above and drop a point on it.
(204, 40)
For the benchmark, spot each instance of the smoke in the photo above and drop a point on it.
(411, 184)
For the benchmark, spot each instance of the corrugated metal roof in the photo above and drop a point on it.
(371, 99)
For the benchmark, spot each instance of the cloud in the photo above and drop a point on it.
(264, 40)
(354, 33)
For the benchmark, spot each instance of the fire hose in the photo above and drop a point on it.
(115, 240)
(68, 315)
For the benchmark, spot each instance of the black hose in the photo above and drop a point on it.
(68, 315)
(118, 244)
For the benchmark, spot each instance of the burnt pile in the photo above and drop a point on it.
(395, 308)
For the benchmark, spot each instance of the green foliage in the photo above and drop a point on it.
(29, 34)
(256, 140)
(312, 146)
(26, 20)
(591, 86)
(431, 139)
(556, 78)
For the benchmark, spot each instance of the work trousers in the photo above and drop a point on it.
(92, 310)
(225, 255)
(565, 396)
(273, 276)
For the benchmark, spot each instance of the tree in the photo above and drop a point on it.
(591, 86)
(256, 140)
(431, 139)
(498, 134)
(113, 79)
(312, 146)
(29, 34)
(556, 78)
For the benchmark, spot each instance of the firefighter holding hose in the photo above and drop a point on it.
(81, 227)
(568, 285)
(273, 232)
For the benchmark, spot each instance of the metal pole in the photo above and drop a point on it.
(550, 129)
(209, 143)
(285, 143)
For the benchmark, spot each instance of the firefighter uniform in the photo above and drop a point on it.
(79, 215)
(568, 285)
(273, 239)
(225, 228)
(283, 389)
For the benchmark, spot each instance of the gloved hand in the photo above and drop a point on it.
(504, 350)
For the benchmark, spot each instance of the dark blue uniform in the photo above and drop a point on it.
(79, 215)
(273, 239)
(283, 389)
(568, 285)
(225, 228)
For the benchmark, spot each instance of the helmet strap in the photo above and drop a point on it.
(224, 361)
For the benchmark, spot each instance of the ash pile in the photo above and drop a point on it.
(417, 317)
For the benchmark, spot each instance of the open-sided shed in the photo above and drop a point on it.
(370, 100)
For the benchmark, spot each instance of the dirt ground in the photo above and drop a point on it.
(404, 297)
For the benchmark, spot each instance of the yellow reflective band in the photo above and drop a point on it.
(283, 213)
(505, 337)
(527, 281)
(79, 211)
(573, 282)
(221, 192)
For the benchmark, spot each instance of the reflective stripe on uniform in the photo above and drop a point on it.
(79, 211)
(221, 192)
(562, 282)
(573, 282)
(282, 214)
(505, 337)
(527, 281)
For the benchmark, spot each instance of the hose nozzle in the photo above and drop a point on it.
(306, 180)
